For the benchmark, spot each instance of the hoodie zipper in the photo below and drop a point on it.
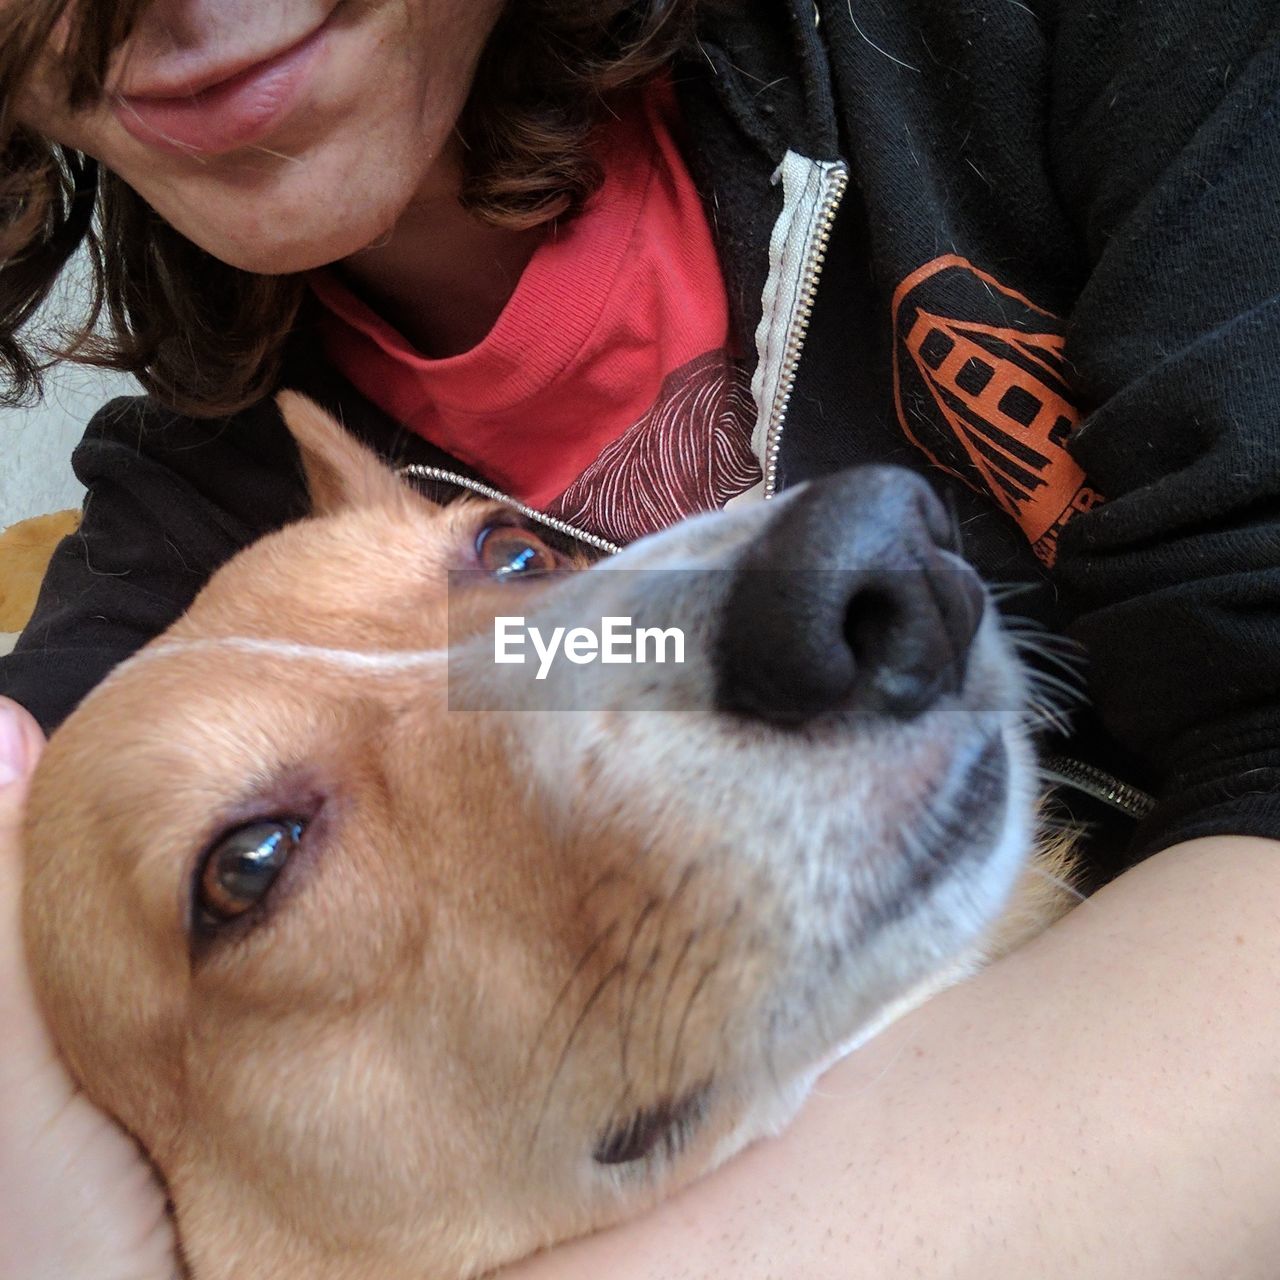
(1099, 784)
(835, 182)
(1069, 772)
(420, 471)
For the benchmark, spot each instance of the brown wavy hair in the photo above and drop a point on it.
(205, 338)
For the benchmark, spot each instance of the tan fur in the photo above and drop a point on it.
(1044, 893)
(471, 974)
(25, 551)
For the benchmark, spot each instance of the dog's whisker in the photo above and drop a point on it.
(770, 1048)
(645, 977)
(1037, 645)
(673, 976)
(1027, 627)
(1045, 708)
(1058, 882)
(1071, 662)
(724, 927)
(1051, 822)
(673, 1069)
(583, 961)
(868, 1085)
(1000, 592)
(682, 885)
(1043, 715)
(626, 1009)
(1044, 682)
(628, 1006)
(600, 988)
(609, 876)
(722, 1035)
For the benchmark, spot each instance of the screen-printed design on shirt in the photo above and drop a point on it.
(981, 387)
(690, 452)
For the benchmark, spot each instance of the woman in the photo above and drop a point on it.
(633, 260)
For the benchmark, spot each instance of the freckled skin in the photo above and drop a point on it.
(373, 133)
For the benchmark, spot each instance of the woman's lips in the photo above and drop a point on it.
(234, 113)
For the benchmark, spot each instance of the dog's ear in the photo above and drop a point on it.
(340, 471)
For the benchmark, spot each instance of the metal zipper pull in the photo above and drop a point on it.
(420, 471)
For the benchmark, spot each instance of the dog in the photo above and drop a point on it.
(394, 974)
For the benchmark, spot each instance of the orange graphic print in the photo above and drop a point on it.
(980, 386)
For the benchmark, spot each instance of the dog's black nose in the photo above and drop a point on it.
(851, 600)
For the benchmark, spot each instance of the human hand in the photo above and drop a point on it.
(77, 1199)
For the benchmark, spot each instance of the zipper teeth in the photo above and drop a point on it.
(799, 328)
(1083, 777)
(420, 471)
(1099, 784)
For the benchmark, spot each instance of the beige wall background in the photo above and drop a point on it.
(36, 442)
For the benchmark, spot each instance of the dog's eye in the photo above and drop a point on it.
(508, 551)
(240, 868)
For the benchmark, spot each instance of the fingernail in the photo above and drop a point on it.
(13, 745)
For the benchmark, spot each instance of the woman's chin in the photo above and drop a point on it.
(297, 226)
(293, 249)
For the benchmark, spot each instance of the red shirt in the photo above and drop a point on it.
(607, 392)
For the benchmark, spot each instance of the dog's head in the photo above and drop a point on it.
(393, 978)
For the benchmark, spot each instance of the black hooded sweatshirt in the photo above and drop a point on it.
(1031, 250)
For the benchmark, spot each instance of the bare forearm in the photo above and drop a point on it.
(1104, 1103)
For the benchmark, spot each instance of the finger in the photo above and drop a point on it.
(20, 745)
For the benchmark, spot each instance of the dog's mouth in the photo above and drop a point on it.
(957, 830)
(965, 823)
(969, 815)
(977, 808)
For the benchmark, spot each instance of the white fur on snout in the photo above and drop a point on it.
(811, 827)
